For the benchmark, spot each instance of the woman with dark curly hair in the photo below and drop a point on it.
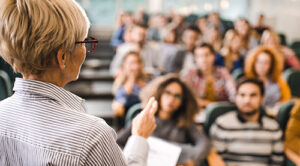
(177, 107)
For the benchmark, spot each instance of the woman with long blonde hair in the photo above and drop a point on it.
(271, 39)
(231, 55)
(128, 83)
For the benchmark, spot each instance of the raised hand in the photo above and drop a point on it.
(144, 123)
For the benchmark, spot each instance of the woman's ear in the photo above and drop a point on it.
(61, 59)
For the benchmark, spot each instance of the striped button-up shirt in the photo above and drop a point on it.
(43, 124)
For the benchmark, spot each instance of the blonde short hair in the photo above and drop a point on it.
(32, 32)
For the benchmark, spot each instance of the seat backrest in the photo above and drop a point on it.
(295, 44)
(292, 77)
(5, 85)
(283, 114)
(132, 112)
(282, 39)
(214, 110)
(237, 74)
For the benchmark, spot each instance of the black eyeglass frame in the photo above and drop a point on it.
(89, 40)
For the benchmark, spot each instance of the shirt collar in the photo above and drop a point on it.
(64, 97)
(241, 119)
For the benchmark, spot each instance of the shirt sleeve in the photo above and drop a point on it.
(136, 151)
(218, 143)
(201, 146)
(121, 96)
(100, 147)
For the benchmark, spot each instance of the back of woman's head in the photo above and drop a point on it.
(32, 32)
(185, 113)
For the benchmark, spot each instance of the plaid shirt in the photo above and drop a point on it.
(223, 85)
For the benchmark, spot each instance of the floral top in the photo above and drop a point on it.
(223, 84)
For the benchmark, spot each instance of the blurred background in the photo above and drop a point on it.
(282, 15)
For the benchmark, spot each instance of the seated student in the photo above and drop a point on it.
(213, 37)
(247, 137)
(210, 83)
(128, 84)
(183, 59)
(137, 42)
(292, 135)
(248, 35)
(177, 107)
(231, 57)
(167, 48)
(271, 39)
(265, 63)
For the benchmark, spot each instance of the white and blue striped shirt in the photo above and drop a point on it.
(43, 124)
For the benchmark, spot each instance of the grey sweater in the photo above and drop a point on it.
(194, 143)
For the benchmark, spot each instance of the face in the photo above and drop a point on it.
(235, 44)
(242, 27)
(132, 64)
(189, 39)
(271, 42)
(171, 98)
(204, 58)
(248, 98)
(74, 63)
(170, 37)
(213, 34)
(138, 34)
(202, 24)
(263, 64)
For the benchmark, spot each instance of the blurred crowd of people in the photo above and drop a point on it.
(188, 65)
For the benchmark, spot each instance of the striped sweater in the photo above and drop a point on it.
(242, 143)
(42, 124)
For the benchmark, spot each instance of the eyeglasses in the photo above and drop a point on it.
(90, 44)
(176, 96)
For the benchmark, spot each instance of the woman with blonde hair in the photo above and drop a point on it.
(266, 64)
(177, 107)
(231, 56)
(128, 83)
(42, 123)
(271, 39)
(248, 35)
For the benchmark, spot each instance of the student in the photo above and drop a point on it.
(271, 39)
(128, 84)
(177, 107)
(292, 135)
(264, 63)
(231, 56)
(246, 136)
(210, 83)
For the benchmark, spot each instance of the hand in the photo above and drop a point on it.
(144, 123)
(118, 109)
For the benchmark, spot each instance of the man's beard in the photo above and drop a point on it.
(250, 113)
